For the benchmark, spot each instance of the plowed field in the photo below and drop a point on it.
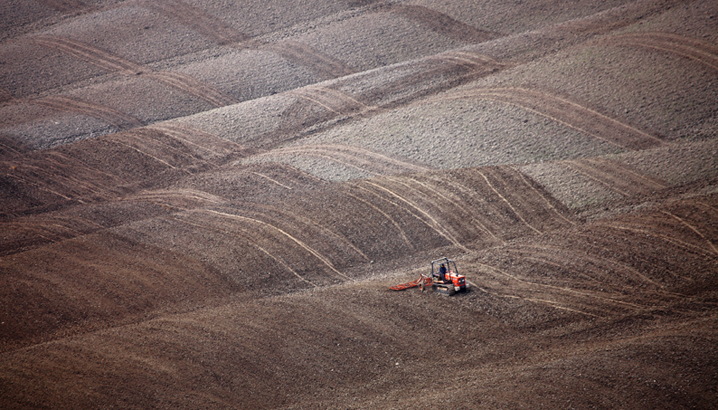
(203, 204)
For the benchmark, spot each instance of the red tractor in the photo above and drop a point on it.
(444, 279)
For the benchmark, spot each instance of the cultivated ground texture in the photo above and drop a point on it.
(205, 202)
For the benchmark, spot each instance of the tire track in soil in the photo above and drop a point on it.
(393, 221)
(61, 179)
(389, 188)
(643, 229)
(107, 114)
(599, 263)
(505, 209)
(324, 65)
(215, 147)
(527, 290)
(192, 86)
(615, 176)
(213, 28)
(635, 258)
(302, 222)
(442, 202)
(694, 229)
(197, 19)
(248, 238)
(272, 227)
(454, 67)
(313, 105)
(438, 22)
(93, 55)
(438, 188)
(563, 111)
(475, 199)
(497, 178)
(317, 105)
(695, 49)
(113, 63)
(356, 157)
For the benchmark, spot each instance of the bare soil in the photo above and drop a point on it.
(204, 205)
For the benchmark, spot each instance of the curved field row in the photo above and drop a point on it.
(94, 280)
(631, 264)
(195, 18)
(472, 205)
(90, 54)
(20, 235)
(114, 63)
(467, 58)
(527, 207)
(51, 180)
(359, 158)
(692, 48)
(326, 66)
(616, 176)
(208, 145)
(338, 102)
(403, 84)
(563, 111)
(438, 22)
(314, 105)
(683, 225)
(390, 88)
(104, 113)
(192, 86)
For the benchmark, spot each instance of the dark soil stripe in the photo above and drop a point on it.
(209, 26)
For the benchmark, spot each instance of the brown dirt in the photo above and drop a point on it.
(204, 205)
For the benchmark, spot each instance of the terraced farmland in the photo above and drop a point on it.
(204, 204)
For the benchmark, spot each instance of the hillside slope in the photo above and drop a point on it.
(204, 205)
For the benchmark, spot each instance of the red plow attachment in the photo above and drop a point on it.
(422, 282)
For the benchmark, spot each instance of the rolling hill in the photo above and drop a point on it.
(204, 204)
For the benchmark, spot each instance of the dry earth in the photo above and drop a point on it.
(204, 204)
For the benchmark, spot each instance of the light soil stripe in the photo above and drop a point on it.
(387, 216)
(254, 243)
(569, 290)
(272, 180)
(694, 229)
(355, 151)
(42, 187)
(455, 203)
(297, 241)
(473, 193)
(523, 178)
(650, 181)
(513, 96)
(667, 238)
(309, 98)
(310, 221)
(145, 153)
(507, 202)
(576, 167)
(436, 224)
(401, 207)
(550, 303)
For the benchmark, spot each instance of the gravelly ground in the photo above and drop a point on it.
(280, 165)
